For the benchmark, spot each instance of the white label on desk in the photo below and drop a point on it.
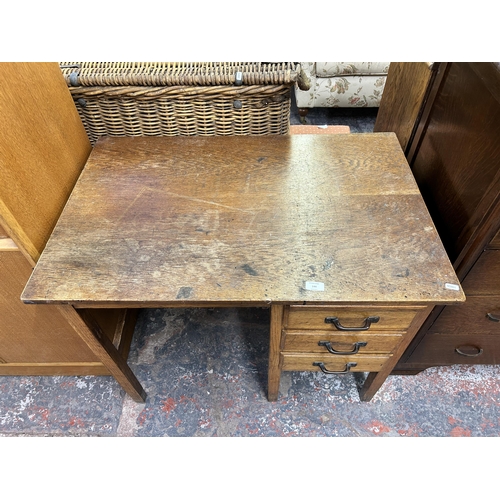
(451, 286)
(315, 286)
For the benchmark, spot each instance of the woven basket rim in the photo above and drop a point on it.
(178, 92)
(178, 73)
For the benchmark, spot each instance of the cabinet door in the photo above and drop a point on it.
(33, 333)
(456, 162)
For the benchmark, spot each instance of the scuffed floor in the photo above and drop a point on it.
(205, 374)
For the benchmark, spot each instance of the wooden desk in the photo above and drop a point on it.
(312, 226)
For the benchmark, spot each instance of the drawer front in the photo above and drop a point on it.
(478, 315)
(317, 317)
(305, 362)
(436, 349)
(484, 277)
(315, 341)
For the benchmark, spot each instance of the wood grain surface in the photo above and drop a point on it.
(483, 279)
(456, 165)
(495, 242)
(403, 97)
(34, 334)
(304, 362)
(470, 318)
(43, 149)
(166, 221)
(313, 317)
(345, 342)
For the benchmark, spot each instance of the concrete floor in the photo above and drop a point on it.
(205, 375)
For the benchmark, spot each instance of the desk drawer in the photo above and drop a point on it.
(305, 362)
(318, 317)
(343, 342)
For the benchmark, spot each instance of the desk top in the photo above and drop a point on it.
(166, 221)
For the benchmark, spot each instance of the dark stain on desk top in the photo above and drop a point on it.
(249, 270)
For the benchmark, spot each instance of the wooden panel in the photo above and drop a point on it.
(43, 147)
(3, 233)
(33, 334)
(441, 350)
(484, 278)
(470, 317)
(456, 165)
(495, 242)
(274, 369)
(308, 341)
(176, 220)
(109, 320)
(404, 92)
(117, 324)
(304, 362)
(313, 317)
(455, 160)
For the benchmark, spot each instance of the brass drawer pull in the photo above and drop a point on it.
(355, 349)
(321, 366)
(366, 325)
(458, 350)
(494, 316)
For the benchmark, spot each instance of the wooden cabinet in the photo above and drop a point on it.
(36, 340)
(454, 150)
(43, 148)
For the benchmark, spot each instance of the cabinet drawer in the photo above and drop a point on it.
(305, 362)
(436, 349)
(340, 342)
(484, 277)
(317, 317)
(476, 315)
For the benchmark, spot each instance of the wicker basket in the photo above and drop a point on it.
(151, 99)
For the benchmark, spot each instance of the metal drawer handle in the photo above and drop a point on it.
(355, 348)
(494, 316)
(348, 366)
(366, 325)
(478, 353)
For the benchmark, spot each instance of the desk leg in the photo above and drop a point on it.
(106, 352)
(274, 373)
(375, 379)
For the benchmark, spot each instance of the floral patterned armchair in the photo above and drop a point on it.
(340, 84)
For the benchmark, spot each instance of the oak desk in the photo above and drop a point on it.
(329, 231)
